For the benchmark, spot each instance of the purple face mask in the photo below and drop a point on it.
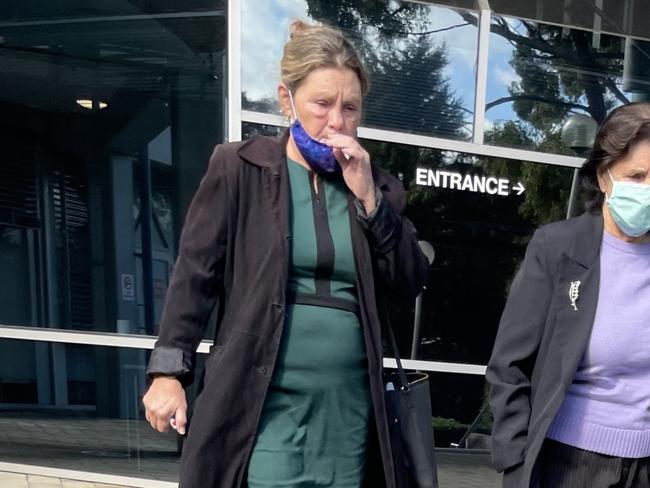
(318, 155)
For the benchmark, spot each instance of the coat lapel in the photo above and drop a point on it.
(269, 154)
(577, 292)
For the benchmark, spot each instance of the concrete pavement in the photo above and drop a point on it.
(17, 480)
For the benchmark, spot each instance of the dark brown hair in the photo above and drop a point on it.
(624, 127)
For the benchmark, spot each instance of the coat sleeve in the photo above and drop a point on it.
(196, 281)
(513, 357)
(400, 263)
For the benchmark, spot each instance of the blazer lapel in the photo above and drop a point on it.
(577, 292)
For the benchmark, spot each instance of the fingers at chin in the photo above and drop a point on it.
(340, 157)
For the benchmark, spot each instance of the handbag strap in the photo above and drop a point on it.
(404, 383)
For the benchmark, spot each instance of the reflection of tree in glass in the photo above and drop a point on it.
(541, 181)
(264, 105)
(250, 130)
(355, 17)
(561, 71)
(479, 240)
(409, 90)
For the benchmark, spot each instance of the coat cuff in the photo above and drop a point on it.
(171, 361)
(382, 225)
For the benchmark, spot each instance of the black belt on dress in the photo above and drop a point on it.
(323, 301)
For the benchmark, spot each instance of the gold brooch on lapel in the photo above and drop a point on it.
(574, 293)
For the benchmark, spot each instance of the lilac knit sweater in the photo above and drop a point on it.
(606, 409)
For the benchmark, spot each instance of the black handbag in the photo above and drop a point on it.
(408, 406)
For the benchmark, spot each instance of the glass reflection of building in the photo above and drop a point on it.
(112, 107)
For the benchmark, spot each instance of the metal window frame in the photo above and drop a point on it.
(434, 142)
(107, 339)
(571, 27)
(234, 71)
(114, 18)
(480, 94)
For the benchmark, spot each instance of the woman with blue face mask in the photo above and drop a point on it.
(292, 241)
(570, 369)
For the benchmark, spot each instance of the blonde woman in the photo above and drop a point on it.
(296, 236)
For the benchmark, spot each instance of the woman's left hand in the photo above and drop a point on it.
(355, 163)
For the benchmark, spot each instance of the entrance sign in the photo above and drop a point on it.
(474, 183)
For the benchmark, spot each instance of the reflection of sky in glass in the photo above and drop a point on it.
(500, 76)
(461, 44)
(264, 32)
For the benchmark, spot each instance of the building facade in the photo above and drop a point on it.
(111, 108)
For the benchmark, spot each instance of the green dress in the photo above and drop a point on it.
(314, 424)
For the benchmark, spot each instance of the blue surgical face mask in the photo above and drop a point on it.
(629, 205)
(319, 156)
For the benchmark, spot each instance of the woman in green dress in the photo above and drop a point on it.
(314, 418)
(314, 424)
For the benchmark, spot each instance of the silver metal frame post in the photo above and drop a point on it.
(428, 251)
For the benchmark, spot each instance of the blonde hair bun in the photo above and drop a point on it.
(311, 47)
(296, 26)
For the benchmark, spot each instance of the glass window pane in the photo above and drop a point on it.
(79, 407)
(628, 18)
(111, 114)
(18, 298)
(467, 469)
(461, 422)
(479, 214)
(19, 371)
(541, 75)
(421, 60)
(92, 9)
(466, 4)
(250, 130)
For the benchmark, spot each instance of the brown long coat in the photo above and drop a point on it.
(235, 246)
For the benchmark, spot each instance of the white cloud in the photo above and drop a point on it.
(264, 32)
(461, 42)
(505, 76)
(499, 46)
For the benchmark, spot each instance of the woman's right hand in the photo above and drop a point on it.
(164, 401)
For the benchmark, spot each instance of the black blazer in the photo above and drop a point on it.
(541, 340)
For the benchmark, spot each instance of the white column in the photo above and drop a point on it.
(233, 132)
(481, 73)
